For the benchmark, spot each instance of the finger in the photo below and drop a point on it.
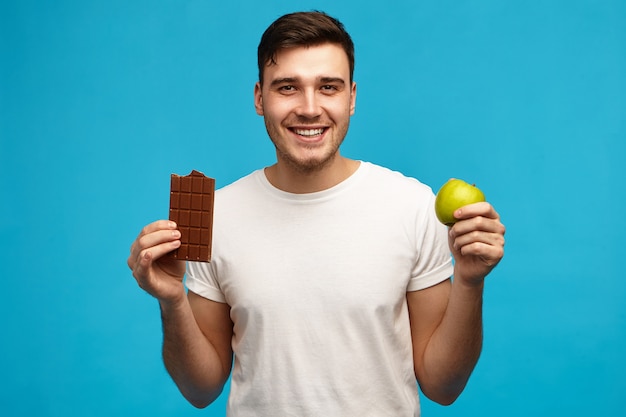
(158, 237)
(483, 209)
(476, 236)
(142, 264)
(158, 225)
(489, 254)
(477, 224)
(145, 257)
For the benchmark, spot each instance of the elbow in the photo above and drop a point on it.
(444, 399)
(198, 403)
(201, 398)
(201, 401)
(444, 393)
(444, 388)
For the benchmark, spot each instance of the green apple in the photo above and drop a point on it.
(453, 195)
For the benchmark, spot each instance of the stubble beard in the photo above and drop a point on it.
(307, 165)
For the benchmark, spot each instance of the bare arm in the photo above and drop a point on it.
(446, 326)
(196, 347)
(446, 320)
(196, 332)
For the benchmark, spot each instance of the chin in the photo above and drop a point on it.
(310, 164)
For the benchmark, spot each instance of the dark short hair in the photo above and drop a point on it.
(303, 29)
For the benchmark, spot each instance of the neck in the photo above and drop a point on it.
(292, 180)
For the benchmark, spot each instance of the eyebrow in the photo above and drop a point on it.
(331, 80)
(286, 80)
(291, 80)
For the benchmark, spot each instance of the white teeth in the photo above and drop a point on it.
(309, 132)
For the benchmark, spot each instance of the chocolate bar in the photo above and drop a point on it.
(191, 207)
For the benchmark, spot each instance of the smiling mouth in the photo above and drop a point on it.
(309, 133)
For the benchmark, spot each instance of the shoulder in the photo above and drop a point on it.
(394, 182)
(240, 184)
(240, 189)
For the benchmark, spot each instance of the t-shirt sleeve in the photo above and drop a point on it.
(201, 280)
(434, 261)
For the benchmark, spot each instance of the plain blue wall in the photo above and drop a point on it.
(101, 100)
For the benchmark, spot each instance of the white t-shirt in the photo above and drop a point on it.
(317, 286)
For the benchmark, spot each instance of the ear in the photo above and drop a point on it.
(353, 98)
(258, 99)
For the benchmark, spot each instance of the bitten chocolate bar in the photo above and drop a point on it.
(191, 207)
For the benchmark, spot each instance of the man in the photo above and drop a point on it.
(330, 278)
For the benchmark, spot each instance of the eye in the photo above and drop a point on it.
(330, 89)
(286, 88)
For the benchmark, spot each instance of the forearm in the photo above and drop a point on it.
(190, 359)
(455, 346)
(448, 348)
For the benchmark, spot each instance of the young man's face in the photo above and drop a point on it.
(306, 100)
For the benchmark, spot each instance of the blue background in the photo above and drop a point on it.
(101, 100)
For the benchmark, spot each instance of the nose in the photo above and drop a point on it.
(309, 105)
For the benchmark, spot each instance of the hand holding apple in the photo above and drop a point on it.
(476, 235)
